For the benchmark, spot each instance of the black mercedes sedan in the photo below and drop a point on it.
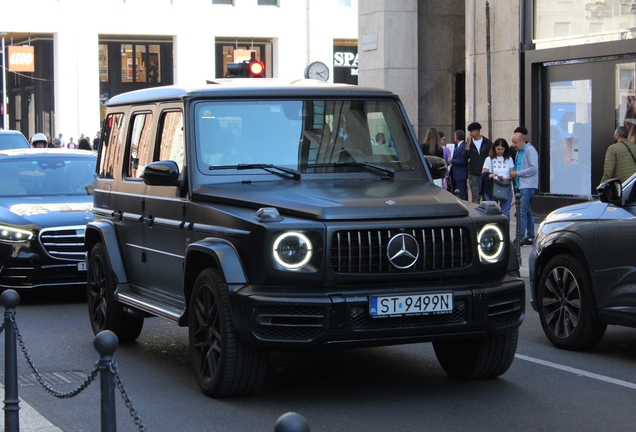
(583, 267)
(46, 200)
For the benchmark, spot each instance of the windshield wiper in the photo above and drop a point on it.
(267, 167)
(372, 167)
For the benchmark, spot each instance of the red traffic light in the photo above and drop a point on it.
(255, 69)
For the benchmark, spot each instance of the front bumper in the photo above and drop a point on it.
(293, 318)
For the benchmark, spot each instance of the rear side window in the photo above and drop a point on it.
(171, 145)
(140, 147)
(112, 137)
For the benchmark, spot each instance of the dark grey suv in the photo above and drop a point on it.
(265, 216)
(582, 267)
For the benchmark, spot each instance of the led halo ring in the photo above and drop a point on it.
(490, 257)
(285, 248)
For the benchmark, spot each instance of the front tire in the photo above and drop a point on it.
(224, 365)
(104, 311)
(565, 304)
(479, 358)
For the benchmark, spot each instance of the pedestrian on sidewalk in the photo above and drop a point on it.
(477, 149)
(620, 157)
(526, 175)
(459, 167)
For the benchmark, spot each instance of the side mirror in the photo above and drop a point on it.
(611, 191)
(162, 173)
(438, 166)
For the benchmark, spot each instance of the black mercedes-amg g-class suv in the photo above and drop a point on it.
(270, 216)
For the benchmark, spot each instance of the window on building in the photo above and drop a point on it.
(223, 2)
(172, 146)
(140, 63)
(103, 62)
(140, 145)
(268, 2)
(344, 3)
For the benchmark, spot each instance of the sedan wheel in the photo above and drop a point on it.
(565, 305)
(104, 311)
(224, 365)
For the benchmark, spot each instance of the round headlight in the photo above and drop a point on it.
(490, 243)
(292, 250)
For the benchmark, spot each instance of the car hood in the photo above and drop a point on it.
(47, 212)
(339, 199)
(584, 211)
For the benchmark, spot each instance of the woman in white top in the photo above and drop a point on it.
(499, 164)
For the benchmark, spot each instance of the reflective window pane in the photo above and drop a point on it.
(570, 137)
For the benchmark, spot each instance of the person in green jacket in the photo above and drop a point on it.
(620, 157)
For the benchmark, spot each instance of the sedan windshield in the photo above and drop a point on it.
(45, 175)
(309, 136)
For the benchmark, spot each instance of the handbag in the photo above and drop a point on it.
(501, 190)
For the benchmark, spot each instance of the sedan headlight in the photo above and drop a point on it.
(9, 234)
(292, 250)
(490, 243)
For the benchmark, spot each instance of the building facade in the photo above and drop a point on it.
(86, 52)
(562, 68)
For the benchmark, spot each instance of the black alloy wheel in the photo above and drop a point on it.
(566, 306)
(224, 365)
(105, 312)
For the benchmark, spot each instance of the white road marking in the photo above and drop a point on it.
(578, 371)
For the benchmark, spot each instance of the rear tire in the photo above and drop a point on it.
(104, 311)
(224, 365)
(479, 358)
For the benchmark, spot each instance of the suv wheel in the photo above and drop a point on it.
(224, 365)
(105, 312)
(566, 306)
(471, 359)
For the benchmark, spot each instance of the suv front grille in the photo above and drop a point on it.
(365, 251)
(64, 242)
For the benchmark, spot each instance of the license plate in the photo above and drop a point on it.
(421, 304)
(81, 266)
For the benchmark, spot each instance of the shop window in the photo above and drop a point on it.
(268, 2)
(103, 62)
(344, 3)
(570, 137)
(626, 97)
(140, 63)
(172, 146)
(140, 145)
(109, 151)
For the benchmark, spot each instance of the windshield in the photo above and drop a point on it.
(45, 175)
(310, 136)
(12, 141)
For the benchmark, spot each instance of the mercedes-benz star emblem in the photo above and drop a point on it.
(403, 251)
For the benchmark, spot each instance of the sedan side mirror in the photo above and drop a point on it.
(611, 191)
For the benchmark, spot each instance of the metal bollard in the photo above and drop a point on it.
(10, 300)
(291, 422)
(106, 343)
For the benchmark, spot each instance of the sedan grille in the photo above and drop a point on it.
(365, 251)
(64, 242)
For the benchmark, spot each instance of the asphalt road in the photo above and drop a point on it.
(399, 388)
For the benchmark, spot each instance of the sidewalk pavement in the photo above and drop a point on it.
(30, 419)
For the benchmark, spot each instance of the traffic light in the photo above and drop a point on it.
(246, 69)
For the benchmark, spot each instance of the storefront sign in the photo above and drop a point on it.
(21, 59)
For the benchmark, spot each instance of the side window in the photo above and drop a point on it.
(140, 145)
(171, 145)
(112, 137)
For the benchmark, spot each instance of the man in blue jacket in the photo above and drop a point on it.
(459, 169)
(526, 175)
